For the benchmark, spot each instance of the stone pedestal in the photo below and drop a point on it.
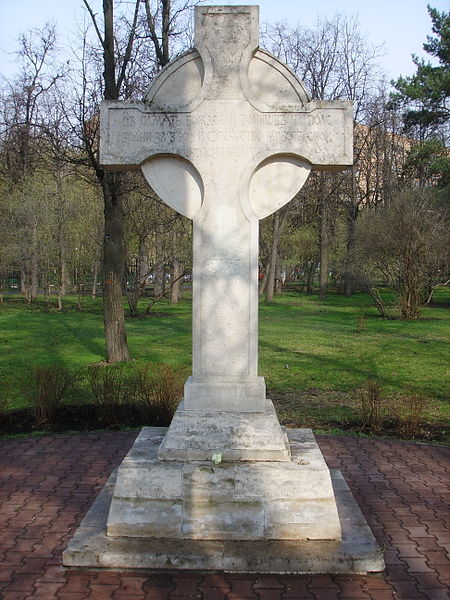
(245, 516)
(279, 491)
(249, 436)
(238, 396)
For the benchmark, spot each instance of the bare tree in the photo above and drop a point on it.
(23, 121)
(406, 243)
(335, 61)
(377, 173)
(116, 59)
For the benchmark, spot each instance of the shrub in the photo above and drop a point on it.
(372, 406)
(409, 411)
(158, 393)
(114, 390)
(45, 391)
(361, 325)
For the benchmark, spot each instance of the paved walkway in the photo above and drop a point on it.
(47, 484)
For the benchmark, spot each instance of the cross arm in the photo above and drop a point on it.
(320, 133)
(130, 133)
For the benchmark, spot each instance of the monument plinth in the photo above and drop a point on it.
(226, 135)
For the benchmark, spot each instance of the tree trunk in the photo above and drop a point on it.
(94, 279)
(263, 281)
(114, 316)
(63, 275)
(323, 245)
(159, 272)
(177, 271)
(278, 287)
(176, 290)
(34, 262)
(273, 257)
(23, 281)
(310, 277)
(61, 237)
(375, 294)
(352, 215)
(349, 280)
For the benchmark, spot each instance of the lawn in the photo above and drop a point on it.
(314, 354)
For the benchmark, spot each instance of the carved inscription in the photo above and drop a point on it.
(220, 134)
(225, 267)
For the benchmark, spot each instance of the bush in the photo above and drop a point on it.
(45, 391)
(410, 413)
(114, 390)
(372, 406)
(361, 325)
(158, 393)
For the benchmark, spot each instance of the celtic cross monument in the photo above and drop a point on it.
(226, 135)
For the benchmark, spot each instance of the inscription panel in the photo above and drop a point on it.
(133, 135)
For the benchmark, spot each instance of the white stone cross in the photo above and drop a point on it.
(226, 136)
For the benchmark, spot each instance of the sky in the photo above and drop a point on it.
(400, 27)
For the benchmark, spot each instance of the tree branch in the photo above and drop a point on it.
(94, 22)
(127, 56)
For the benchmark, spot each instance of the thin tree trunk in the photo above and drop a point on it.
(23, 282)
(323, 243)
(177, 271)
(352, 215)
(61, 240)
(176, 291)
(114, 316)
(349, 280)
(279, 221)
(310, 277)
(63, 274)
(159, 272)
(273, 258)
(113, 251)
(34, 261)
(94, 279)
(278, 287)
(263, 282)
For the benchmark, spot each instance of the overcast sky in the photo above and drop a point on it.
(401, 26)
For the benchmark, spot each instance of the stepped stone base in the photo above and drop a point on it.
(236, 517)
(237, 436)
(238, 500)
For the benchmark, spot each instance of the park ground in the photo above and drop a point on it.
(318, 357)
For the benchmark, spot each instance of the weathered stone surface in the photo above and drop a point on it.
(357, 552)
(197, 435)
(165, 482)
(237, 500)
(131, 517)
(229, 396)
(223, 520)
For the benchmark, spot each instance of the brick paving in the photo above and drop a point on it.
(47, 485)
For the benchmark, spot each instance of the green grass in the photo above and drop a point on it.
(314, 354)
(306, 343)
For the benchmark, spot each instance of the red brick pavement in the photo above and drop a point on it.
(47, 484)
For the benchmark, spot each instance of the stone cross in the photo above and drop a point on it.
(226, 135)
